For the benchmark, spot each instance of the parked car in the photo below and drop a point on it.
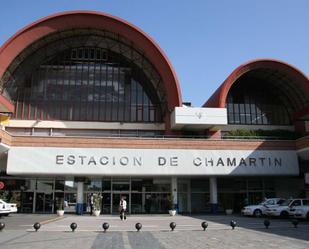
(7, 208)
(285, 209)
(302, 211)
(259, 209)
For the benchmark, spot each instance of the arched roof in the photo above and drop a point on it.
(101, 21)
(291, 79)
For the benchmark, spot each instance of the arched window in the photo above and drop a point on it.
(87, 83)
(257, 102)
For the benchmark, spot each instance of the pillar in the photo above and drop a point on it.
(213, 194)
(80, 198)
(143, 199)
(174, 192)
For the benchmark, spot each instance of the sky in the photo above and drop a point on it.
(205, 40)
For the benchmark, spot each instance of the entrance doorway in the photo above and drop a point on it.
(44, 203)
(116, 201)
(26, 202)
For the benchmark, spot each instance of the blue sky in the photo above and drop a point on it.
(205, 40)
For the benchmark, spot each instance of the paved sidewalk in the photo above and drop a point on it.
(155, 233)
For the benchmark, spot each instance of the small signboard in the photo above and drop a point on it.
(1, 185)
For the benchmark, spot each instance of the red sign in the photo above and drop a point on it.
(1, 185)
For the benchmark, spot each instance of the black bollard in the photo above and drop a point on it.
(36, 226)
(2, 226)
(266, 223)
(295, 223)
(138, 226)
(204, 225)
(73, 226)
(172, 225)
(233, 224)
(105, 226)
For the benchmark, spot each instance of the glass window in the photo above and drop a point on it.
(199, 185)
(137, 185)
(200, 202)
(44, 185)
(95, 185)
(18, 184)
(253, 102)
(70, 186)
(296, 203)
(121, 187)
(59, 185)
(157, 185)
(106, 186)
(270, 202)
(69, 86)
(255, 185)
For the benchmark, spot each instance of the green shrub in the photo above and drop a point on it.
(262, 134)
(97, 201)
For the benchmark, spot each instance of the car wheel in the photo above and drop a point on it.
(6, 214)
(284, 214)
(257, 213)
(307, 216)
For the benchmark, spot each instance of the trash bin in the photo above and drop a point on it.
(79, 208)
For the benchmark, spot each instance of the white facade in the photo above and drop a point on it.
(149, 162)
(194, 118)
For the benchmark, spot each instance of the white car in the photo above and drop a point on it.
(302, 211)
(259, 210)
(7, 208)
(285, 209)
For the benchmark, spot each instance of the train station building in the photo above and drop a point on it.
(91, 104)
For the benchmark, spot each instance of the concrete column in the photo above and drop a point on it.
(213, 194)
(174, 191)
(143, 198)
(80, 198)
(80, 192)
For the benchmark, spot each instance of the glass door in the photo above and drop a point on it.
(183, 198)
(116, 201)
(44, 202)
(120, 187)
(26, 202)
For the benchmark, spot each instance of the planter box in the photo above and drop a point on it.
(172, 212)
(60, 212)
(97, 212)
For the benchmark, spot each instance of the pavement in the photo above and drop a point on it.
(55, 232)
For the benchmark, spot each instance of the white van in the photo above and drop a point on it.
(286, 209)
(302, 212)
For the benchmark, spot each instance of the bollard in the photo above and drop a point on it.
(73, 226)
(233, 224)
(36, 226)
(105, 226)
(295, 223)
(266, 223)
(204, 225)
(138, 226)
(2, 226)
(172, 225)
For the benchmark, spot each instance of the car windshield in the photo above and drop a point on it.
(285, 203)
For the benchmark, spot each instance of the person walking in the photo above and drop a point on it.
(122, 208)
(91, 203)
